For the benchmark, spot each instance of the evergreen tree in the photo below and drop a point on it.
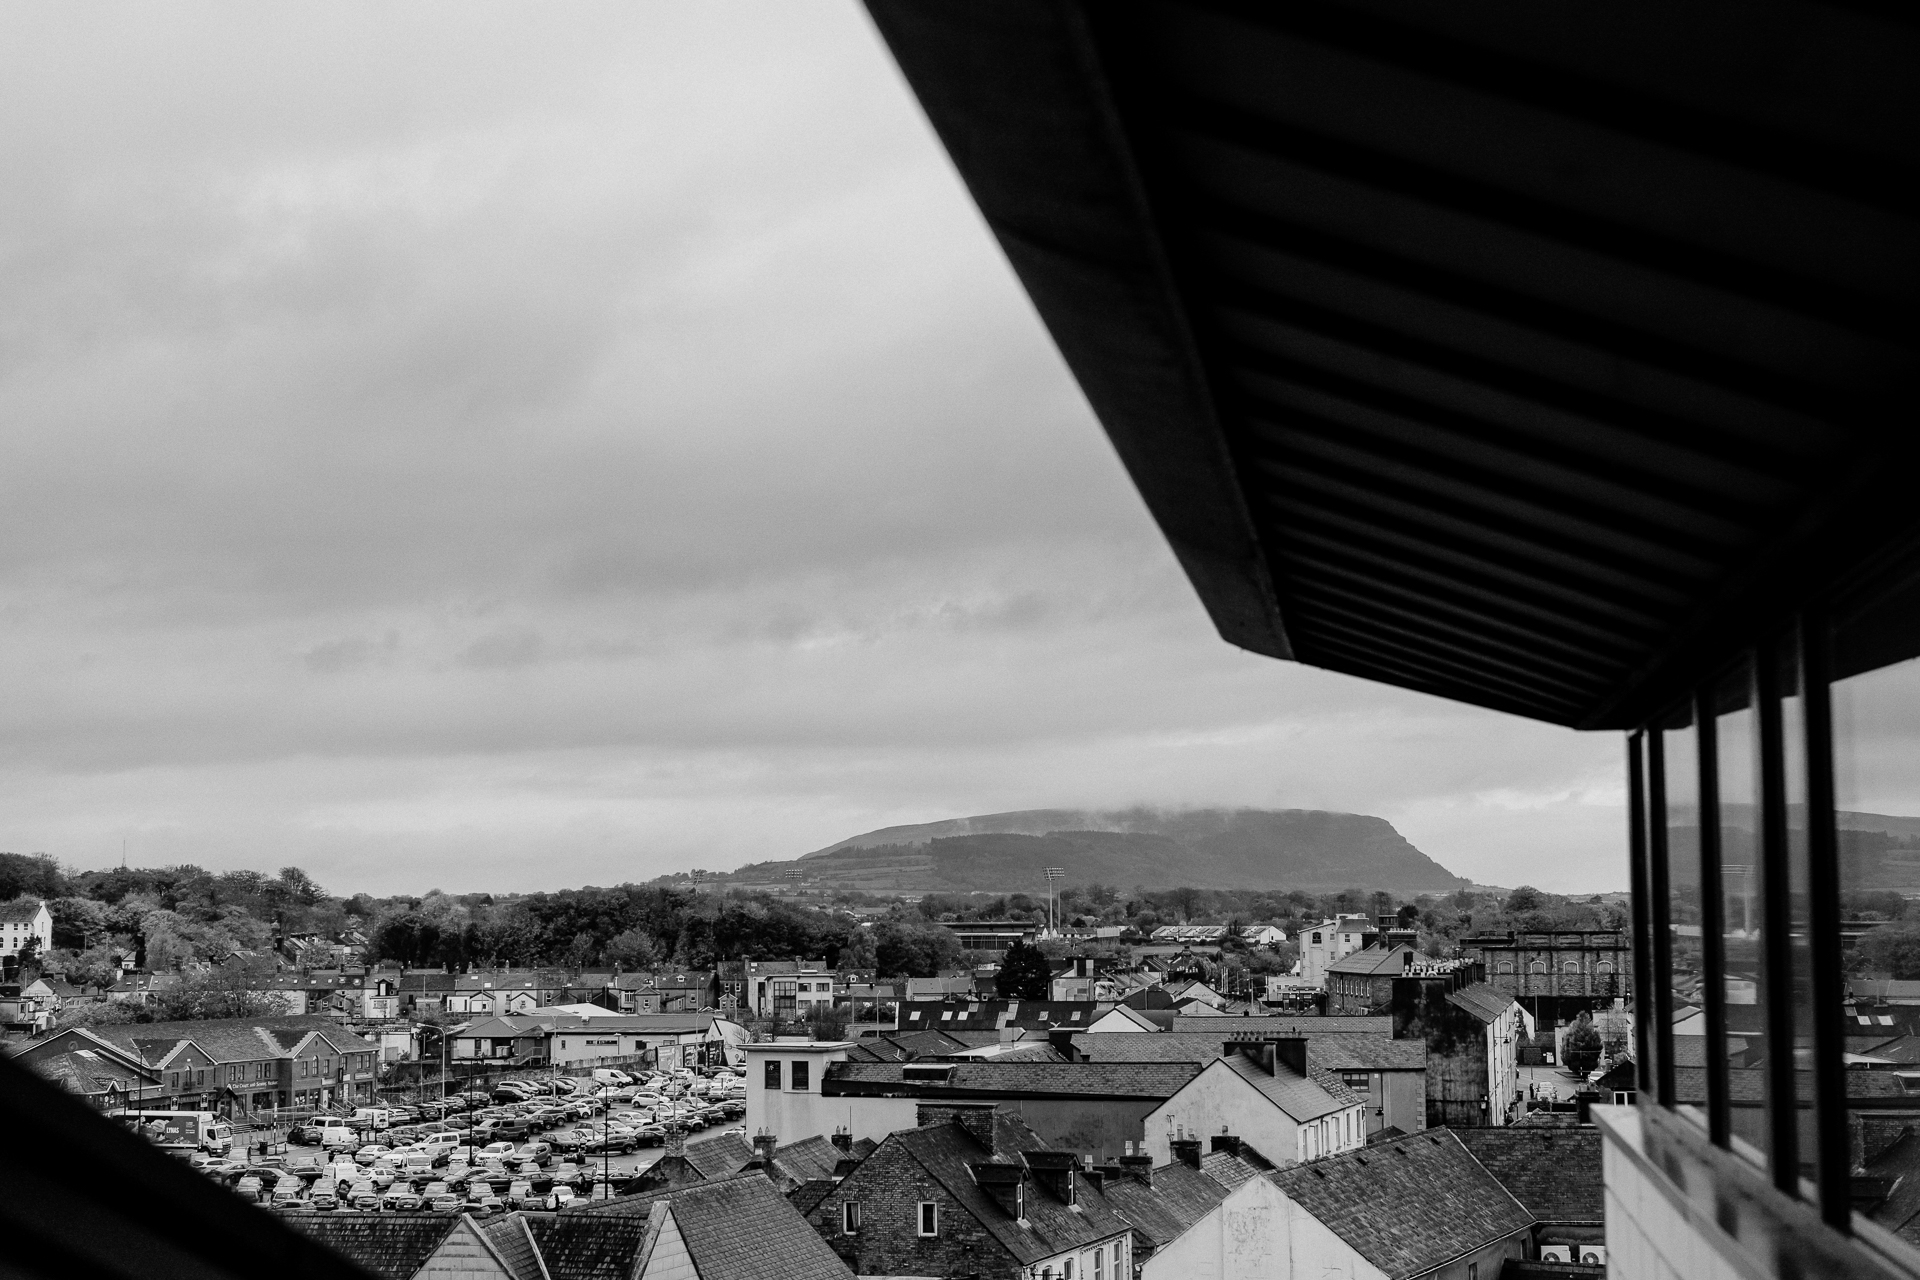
(1024, 974)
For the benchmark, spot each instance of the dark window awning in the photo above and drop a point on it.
(1525, 354)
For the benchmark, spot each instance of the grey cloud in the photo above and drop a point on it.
(650, 374)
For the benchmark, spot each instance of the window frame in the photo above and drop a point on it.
(922, 1211)
(799, 1079)
(1802, 652)
(850, 1217)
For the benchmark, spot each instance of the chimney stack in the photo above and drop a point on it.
(1186, 1151)
(763, 1144)
(975, 1118)
(1226, 1142)
(1139, 1168)
(1061, 1038)
(843, 1140)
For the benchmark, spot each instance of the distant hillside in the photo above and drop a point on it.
(1207, 848)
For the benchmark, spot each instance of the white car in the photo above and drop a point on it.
(371, 1152)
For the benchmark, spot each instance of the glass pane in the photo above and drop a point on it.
(1681, 772)
(1876, 745)
(1737, 739)
(1793, 733)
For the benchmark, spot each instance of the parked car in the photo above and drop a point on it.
(519, 1192)
(445, 1202)
(371, 1152)
(248, 1187)
(496, 1151)
(484, 1202)
(540, 1153)
(558, 1198)
(366, 1199)
(402, 1198)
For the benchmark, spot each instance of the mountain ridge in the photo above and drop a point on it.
(1307, 849)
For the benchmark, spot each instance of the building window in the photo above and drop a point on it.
(929, 1218)
(773, 1073)
(1100, 1265)
(1473, 1271)
(799, 1077)
(850, 1217)
(1066, 1268)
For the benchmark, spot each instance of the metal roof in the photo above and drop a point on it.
(1526, 355)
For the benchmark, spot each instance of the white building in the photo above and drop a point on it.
(25, 920)
(783, 1089)
(1330, 940)
(1262, 1094)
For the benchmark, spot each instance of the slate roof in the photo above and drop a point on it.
(1302, 1099)
(992, 1078)
(1406, 1206)
(718, 1157)
(807, 1159)
(1482, 999)
(1340, 1051)
(394, 1245)
(577, 1247)
(1278, 1025)
(947, 1151)
(1180, 1196)
(85, 1071)
(513, 1241)
(906, 1046)
(1555, 1173)
(231, 1039)
(1228, 1169)
(1376, 962)
(806, 1197)
(991, 1015)
(743, 1229)
(19, 910)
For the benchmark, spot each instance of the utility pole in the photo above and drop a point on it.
(1053, 875)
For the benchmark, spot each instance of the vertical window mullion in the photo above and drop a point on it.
(1776, 971)
(1713, 940)
(1645, 980)
(1660, 943)
(1833, 1156)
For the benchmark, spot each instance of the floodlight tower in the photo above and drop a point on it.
(1054, 875)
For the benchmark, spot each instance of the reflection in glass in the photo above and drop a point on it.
(1793, 741)
(1680, 771)
(1876, 737)
(1737, 745)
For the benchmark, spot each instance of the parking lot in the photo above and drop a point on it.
(533, 1148)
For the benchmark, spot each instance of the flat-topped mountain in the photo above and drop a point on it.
(1305, 849)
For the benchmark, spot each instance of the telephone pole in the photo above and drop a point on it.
(1053, 874)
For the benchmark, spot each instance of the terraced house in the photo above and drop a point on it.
(228, 1065)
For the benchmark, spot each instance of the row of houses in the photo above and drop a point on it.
(231, 1066)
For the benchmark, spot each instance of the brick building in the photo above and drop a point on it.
(1360, 983)
(1472, 1032)
(1556, 975)
(972, 1192)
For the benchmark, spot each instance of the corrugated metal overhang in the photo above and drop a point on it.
(1529, 355)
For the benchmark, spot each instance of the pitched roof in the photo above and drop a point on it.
(1180, 1196)
(232, 1039)
(1482, 999)
(1277, 1024)
(513, 1241)
(718, 1157)
(1555, 1173)
(1377, 962)
(579, 1247)
(1406, 1206)
(991, 1015)
(395, 1245)
(1302, 1099)
(1339, 1051)
(809, 1158)
(743, 1229)
(1230, 1169)
(19, 910)
(948, 1153)
(992, 1078)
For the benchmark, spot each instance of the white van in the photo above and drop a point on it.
(372, 1117)
(438, 1142)
(611, 1075)
(338, 1136)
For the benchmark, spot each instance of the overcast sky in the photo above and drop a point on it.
(511, 447)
